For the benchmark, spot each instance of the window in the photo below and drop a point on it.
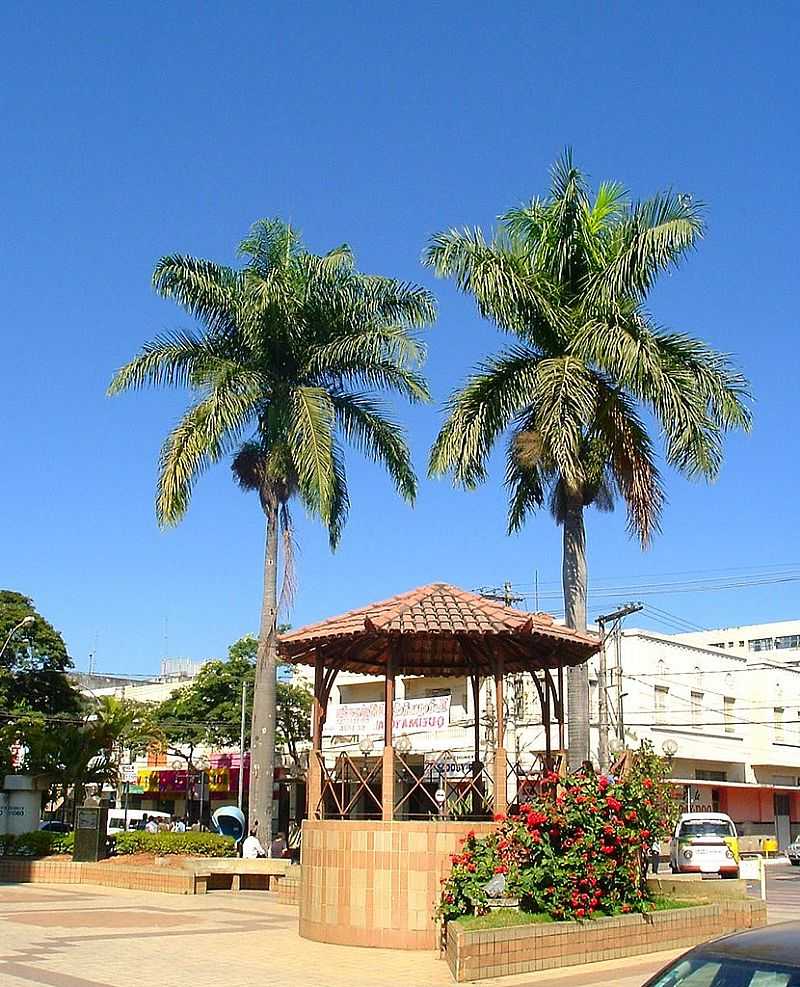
(661, 695)
(760, 644)
(702, 774)
(728, 704)
(717, 644)
(777, 723)
(787, 641)
(697, 709)
(741, 644)
(433, 693)
(730, 644)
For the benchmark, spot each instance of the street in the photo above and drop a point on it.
(783, 892)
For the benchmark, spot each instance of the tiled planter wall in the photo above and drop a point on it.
(166, 880)
(526, 948)
(368, 883)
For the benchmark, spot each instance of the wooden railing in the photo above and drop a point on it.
(533, 775)
(441, 786)
(350, 788)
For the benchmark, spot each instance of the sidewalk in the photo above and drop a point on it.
(66, 936)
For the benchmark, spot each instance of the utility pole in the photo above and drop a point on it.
(506, 596)
(615, 619)
(241, 746)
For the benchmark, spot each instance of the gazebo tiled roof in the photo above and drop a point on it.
(438, 630)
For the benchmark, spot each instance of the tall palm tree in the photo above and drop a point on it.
(293, 349)
(568, 276)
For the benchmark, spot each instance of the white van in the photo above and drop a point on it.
(705, 843)
(116, 819)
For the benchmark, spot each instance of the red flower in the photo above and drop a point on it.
(502, 869)
(602, 783)
(613, 803)
(499, 817)
(648, 783)
(580, 912)
(631, 816)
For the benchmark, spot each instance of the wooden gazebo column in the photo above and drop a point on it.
(314, 780)
(500, 756)
(387, 775)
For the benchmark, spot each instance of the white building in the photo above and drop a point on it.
(732, 715)
(779, 640)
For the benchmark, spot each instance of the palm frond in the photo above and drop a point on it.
(651, 240)
(170, 360)
(480, 411)
(311, 438)
(270, 243)
(525, 482)
(631, 461)
(496, 274)
(340, 501)
(364, 423)
(563, 406)
(206, 290)
(207, 432)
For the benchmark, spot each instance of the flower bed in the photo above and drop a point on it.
(575, 852)
(475, 954)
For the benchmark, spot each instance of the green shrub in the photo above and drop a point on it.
(190, 844)
(40, 843)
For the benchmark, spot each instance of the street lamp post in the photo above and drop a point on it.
(25, 622)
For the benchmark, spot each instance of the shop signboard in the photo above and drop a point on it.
(367, 719)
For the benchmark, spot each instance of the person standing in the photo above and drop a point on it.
(655, 856)
(279, 847)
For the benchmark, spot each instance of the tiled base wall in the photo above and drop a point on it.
(374, 883)
(526, 948)
(165, 880)
(288, 889)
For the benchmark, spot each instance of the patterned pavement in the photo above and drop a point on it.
(66, 936)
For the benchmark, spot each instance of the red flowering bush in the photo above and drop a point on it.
(573, 852)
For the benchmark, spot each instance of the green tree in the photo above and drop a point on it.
(293, 350)
(207, 712)
(34, 662)
(568, 276)
(82, 748)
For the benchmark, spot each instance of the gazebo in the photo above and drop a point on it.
(370, 876)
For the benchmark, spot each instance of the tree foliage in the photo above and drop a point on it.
(294, 349)
(569, 276)
(207, 712)
(35, 662)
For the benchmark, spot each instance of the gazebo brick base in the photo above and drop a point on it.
(372, 883)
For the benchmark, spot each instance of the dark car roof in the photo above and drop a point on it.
(774, 943)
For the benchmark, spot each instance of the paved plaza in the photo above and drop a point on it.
(66, 936)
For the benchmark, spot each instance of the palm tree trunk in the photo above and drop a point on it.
(573, 577)
(262, 736)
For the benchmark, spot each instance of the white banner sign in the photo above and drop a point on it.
(366, 719)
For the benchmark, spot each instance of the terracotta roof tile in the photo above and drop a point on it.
(437, 612)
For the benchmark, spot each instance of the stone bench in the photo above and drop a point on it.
(238, 875)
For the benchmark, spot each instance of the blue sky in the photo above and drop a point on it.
(130, 131)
